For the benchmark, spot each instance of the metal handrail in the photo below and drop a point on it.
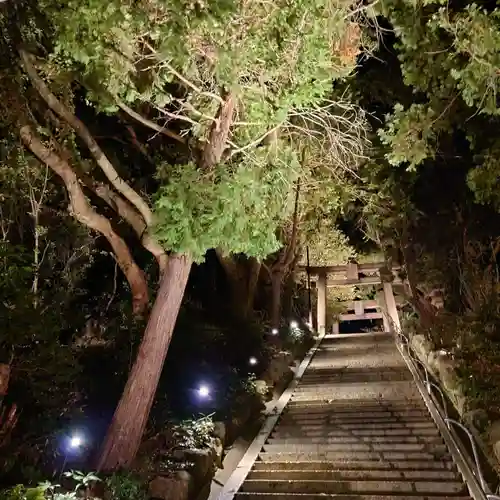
(480, 475)
(411, 356)
(443, 400)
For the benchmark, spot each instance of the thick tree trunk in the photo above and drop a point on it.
(130, 418)
(243, 278)
(84, 213)
(129, 421)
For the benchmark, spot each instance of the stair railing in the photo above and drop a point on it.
(471, 472)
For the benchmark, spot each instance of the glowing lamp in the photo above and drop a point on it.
(75, 442)
(203, 391)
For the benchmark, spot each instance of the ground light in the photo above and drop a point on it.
(73, 444)
(294, 324)
(203, 391)
(274, 331)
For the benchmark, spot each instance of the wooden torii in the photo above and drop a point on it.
(375, 273)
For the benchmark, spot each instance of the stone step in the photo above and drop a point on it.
(351, 419)
(328, 432)
(323, 496)
(345, 486)
(301, 440)
(354, 465)
(359, 475)
(428, 424)
(350, 447)
(352, 413)
(303, 456)
(318, 406)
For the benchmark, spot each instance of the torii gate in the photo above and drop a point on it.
(348, 275)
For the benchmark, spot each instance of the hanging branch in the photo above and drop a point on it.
(84, 213)
(79, 127)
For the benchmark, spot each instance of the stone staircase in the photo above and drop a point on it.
(355, 428)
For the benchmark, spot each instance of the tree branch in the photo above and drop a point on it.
(148, 123)
(106, 166)
(130, 215)
(84, 213)
(219, 133)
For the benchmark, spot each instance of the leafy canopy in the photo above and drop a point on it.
(177, 60)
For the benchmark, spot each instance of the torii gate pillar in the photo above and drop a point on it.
(321, 306)
(391, 309)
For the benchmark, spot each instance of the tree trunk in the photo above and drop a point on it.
(243, 278)
(84, 213)
(276, 280)
(130, 418)
(253, 281)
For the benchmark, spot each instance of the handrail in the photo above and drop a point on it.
(403, 341)
(484, 486)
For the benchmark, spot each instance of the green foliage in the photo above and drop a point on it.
(52, 491)
(410, 135)
(260, 47)
(449, 57)
(328, 245)
(125, 486)
(235, 211)
(30, 340)
(483, 180)
(21, 492)
(194, 434)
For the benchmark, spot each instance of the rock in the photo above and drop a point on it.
(494, 437)
(278, 366)
(261, 387)
(175, 487)
(477, 419)
(447, 373)
(421, 346)
(218, 448)
(220, 430)
(432, 363)
(202, 460)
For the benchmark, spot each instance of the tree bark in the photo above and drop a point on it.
(130, 418)
(129, 421)
(276, 282)
(253, 281)
(132, 217)
(243, 278)
(79, 127)
(84, 213)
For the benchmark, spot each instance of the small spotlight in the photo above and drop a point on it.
(75, 442)
(274, 331)
(294, 324)
(252, 361)
(203, 391)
